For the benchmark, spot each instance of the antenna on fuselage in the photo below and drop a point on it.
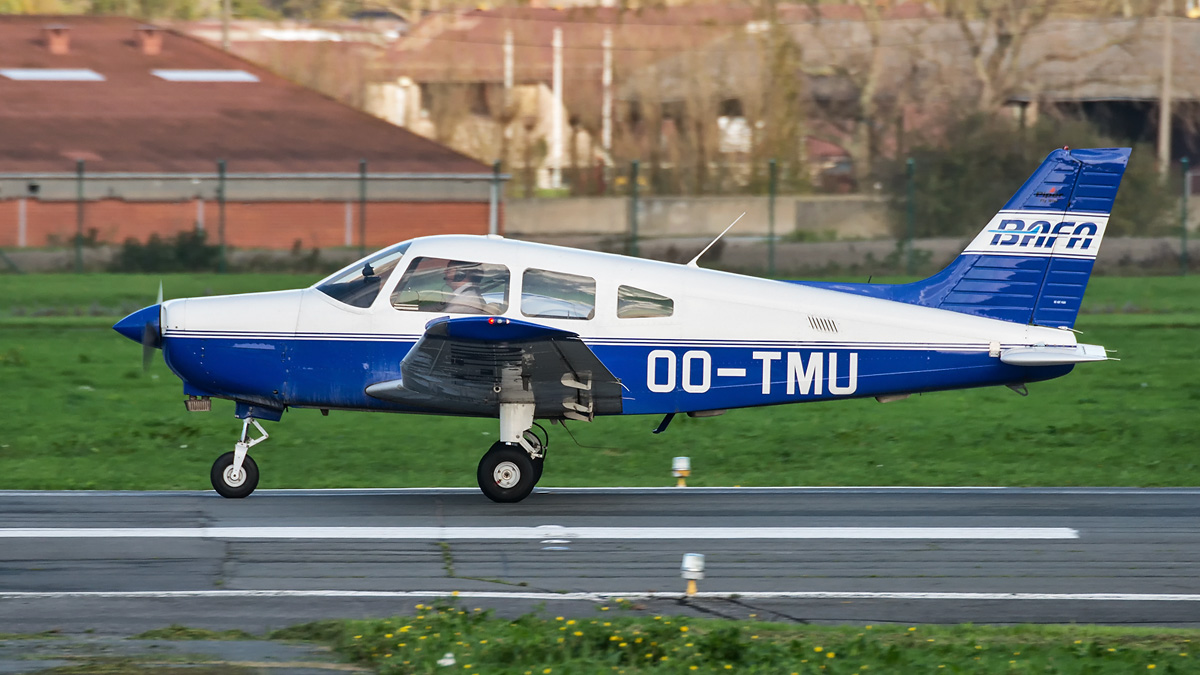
(693, 261)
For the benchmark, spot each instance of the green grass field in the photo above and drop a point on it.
(79, 413)
(622, 644)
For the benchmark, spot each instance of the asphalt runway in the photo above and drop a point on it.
(124, 562)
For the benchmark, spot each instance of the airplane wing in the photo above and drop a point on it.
(470, 365)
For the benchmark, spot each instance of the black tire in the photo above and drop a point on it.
(221, 484)
(506, 474)
(538, 465)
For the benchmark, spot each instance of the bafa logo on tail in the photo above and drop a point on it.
(1041, 234)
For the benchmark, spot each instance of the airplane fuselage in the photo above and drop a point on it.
(729, 341)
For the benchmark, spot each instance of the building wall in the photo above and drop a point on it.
(270, 225)
(831, 216)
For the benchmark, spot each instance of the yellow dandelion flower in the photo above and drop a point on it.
(558, 618)
(606, 623)
(357, 637)
(818, 649)
(1150, 667)
(1079, 642)
(869, 627)
(1183, 653)
(614, 638)
(561, 639)
(639, 641)
(387, 656)
(546, 671)
(571, 622)
(911, 628)
(728, 667)
(664, 658)
(623, 644)
(648, 655)
(466, 666)
(831, 655)
(683, 629)
(753, 637)
(578, 633)
(604, 609)
(693, 667)
(387, 635)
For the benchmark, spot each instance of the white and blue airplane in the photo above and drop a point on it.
(484, 326)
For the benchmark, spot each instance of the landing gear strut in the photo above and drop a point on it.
(513, 465)
(235, 475)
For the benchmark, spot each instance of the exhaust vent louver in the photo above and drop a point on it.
(826, 325)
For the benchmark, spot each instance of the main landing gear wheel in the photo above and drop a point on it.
(506, 473)
(234, 485)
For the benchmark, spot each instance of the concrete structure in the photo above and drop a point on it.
(817, 216)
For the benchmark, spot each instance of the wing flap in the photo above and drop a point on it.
(471, 365)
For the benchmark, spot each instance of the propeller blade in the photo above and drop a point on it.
(159, 301)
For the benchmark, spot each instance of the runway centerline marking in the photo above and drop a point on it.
(539, 533)
(603, 597)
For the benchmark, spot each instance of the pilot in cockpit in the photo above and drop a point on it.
(465, 298)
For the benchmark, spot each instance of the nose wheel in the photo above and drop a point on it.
(234, 483)
(235, 475)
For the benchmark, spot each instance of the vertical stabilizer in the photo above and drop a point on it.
(1032, 262)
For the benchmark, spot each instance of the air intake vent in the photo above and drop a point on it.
(826, 325)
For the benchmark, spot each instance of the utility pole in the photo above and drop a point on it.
(508, 67)
(606, 105)
(1164, 103)
(556, 125)
(772, 182)
(910, 217)
(226, 12)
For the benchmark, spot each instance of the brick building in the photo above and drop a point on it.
(115, 129)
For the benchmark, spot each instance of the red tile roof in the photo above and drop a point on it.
(135, 121)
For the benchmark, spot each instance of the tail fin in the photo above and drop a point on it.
(1032, 262)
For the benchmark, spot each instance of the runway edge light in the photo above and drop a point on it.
(681, 468)
(692, 569)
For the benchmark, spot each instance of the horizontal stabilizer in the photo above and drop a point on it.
(1053, 356)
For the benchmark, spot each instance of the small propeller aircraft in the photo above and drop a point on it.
(490, 327)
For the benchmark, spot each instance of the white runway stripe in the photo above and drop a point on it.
(539, 533)
(604, 597)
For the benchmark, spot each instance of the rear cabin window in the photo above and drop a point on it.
(634, 303)
(452, 287)
(557, 295)
(359, 284)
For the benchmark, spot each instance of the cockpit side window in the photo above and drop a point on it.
(359, 284)
(557, 295)
(452, 287)
(634, 303)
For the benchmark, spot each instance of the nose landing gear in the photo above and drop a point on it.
(235, 474)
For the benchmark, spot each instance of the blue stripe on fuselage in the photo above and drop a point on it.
(334, 373)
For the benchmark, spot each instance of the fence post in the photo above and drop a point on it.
(222, 263)
(78, 216)
(1183, 217)
(494, 206)
(633, 208)
(772, 187)
(910, 262)
(362, 207)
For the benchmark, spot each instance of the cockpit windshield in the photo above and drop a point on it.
(359, 284)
